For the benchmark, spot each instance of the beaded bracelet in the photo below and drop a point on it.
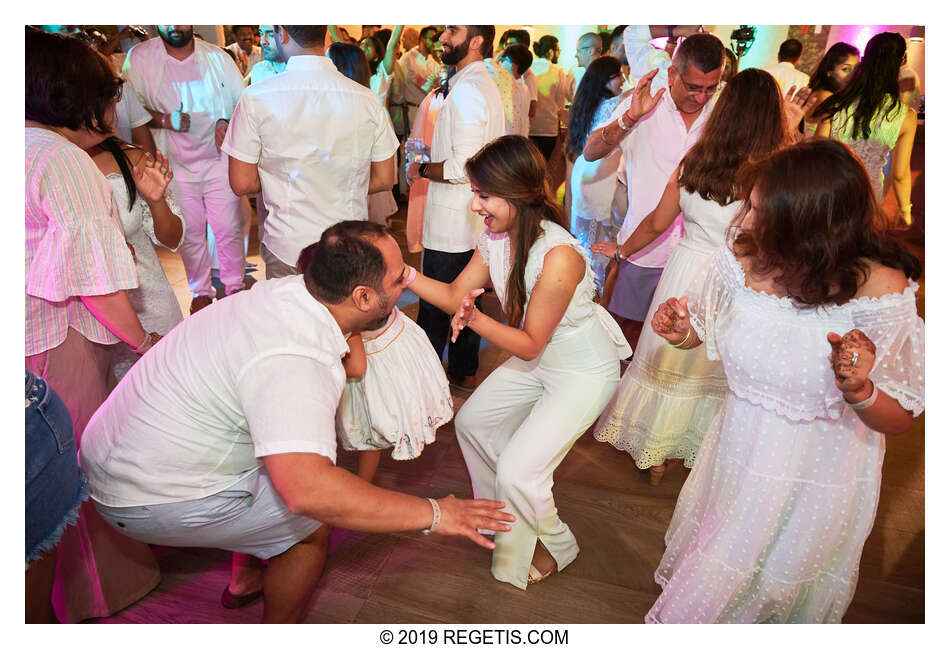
(436, 516)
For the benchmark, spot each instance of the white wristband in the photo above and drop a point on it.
(436, 516)
(867, 403)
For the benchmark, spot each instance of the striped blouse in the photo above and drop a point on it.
(74, 242)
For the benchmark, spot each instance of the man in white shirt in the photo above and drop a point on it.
(589, 49)
(422, 70)
(190, 87)
(654, 133)
(472, 116)
(316, 143)
(272, 62)
(521, 37)
(517, 60)
(223, 435)
(789, 53)
(246, 53)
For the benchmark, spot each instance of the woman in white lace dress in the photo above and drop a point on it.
(667, 397)
(812, 311)
(869, 117)
(523, 419)
(150, 216)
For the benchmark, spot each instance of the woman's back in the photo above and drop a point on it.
(705, 221)
(873, 151)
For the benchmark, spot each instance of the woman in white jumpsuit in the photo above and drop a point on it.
(523, 419)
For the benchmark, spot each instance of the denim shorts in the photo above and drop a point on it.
(55, 485)
(249, 517)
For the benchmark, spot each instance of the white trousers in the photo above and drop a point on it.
(518, 426)
(210, 201)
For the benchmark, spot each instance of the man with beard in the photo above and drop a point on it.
(190, 87)
(472, 116)
(654, 130)
(272, 62)
(223, 435)
(316, 143)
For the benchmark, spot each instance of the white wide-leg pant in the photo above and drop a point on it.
(518, 426)
(210, 201)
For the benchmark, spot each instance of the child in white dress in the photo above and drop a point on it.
(396, 393)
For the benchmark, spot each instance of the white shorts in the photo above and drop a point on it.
(249, 517)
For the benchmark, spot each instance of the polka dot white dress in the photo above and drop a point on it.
(770, 524)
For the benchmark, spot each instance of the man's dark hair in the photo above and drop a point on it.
(520, 56)
(307, 35)
(383, 36)
(427, 29)
(617, 32)
(487, 32)
(235, 28)
(345, 257)
(790, 50)
(703, 51)
(521, 36)
(68, 82)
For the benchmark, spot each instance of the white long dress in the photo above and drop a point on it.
(874, 151)
(154, 300)
(770, 524)
(526, 415)
(593, 189)
(668, 397)
(403, 397)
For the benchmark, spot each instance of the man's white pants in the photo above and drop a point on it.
(210, 201)
(518, 426)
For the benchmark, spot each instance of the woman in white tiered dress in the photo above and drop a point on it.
(524, 418)
(667, 397)
(869, 117)
(770, 524)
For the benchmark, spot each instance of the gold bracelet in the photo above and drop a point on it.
(679, 345)
(603, 136)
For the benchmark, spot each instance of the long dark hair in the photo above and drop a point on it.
(350, 61)
(874, 86)
(513, 168)
(836, 55)
(747, 122)
(380, 53)
(68, 82)
(591, 91)
(117, 147)
(816, 223)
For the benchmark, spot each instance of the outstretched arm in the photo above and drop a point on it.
(387, 62)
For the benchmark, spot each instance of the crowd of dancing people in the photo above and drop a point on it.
(720, 286)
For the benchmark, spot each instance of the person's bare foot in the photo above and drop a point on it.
(543, 564)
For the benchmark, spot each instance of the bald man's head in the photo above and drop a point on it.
(589, 48)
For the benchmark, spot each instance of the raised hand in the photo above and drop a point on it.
(465, 313)
(605, 248)
(852, 357)
(798, 101)
(671, 320)
(641, 101)
(151, 176)
(465, 517)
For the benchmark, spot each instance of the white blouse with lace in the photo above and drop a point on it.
(873, 151)
(772, 520)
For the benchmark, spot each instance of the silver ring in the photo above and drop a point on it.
(854, 359)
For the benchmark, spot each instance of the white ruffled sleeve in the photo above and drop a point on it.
(898, 333)
(708, 297)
